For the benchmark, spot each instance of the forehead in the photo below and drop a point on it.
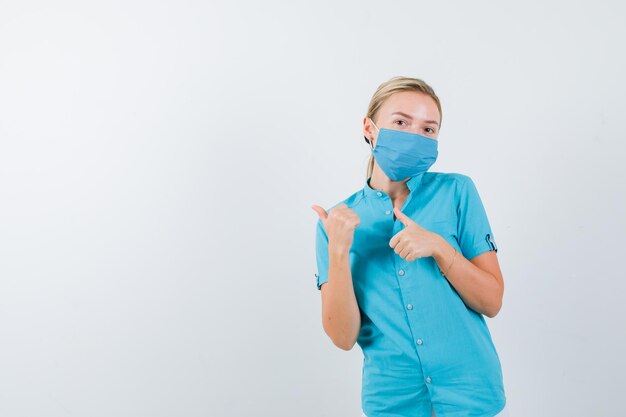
(416, 104)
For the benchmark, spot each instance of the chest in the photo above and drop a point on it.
(398, 202)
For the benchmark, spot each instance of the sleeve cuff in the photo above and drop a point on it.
(320, 281)
(485, 246)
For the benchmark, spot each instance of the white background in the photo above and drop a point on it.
(159, 160)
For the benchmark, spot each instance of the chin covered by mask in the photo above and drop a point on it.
(402, 154)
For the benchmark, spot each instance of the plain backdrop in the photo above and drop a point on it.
(159, 160)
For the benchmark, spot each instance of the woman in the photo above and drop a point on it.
(407, 268)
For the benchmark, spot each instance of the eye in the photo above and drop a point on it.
(431, 130)
(399, 122)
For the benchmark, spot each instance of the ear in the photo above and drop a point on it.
(369, 131)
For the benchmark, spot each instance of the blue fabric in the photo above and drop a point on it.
(422, 345)
(403, 154)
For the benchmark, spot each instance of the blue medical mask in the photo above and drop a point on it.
(402, 154)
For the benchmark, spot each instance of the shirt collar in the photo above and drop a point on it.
(411, 183)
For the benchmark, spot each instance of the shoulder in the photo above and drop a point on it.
(351, 201)
(455, 179)
(450, 185)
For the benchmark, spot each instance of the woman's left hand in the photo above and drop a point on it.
(413, 241)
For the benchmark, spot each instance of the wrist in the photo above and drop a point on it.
(338, 249)
(445, 255)
(439, 247)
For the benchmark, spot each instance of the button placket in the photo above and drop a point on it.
(408, 286)
(402, 268)
(383, 195)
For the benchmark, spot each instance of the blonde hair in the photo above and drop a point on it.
(389, 87)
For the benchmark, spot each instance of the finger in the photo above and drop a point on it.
(320, 211)
(396, 239)
(406, 220)
(400, 246)
(404, 253)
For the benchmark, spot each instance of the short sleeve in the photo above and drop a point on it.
(321, 249)
(473, 230)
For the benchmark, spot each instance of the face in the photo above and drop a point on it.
(409, 111)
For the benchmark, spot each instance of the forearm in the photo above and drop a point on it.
(478, 289)
(340, 311)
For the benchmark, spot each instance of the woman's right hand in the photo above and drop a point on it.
(339, 224)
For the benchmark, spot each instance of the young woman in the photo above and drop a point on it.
(407, 269)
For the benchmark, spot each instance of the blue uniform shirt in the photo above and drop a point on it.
(422, 345)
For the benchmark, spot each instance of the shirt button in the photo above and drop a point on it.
(419, 341)
(428, 379)
(379, 193)
(388, 212)
(401, 272)
(409, 306)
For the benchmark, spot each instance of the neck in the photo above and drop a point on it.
(393, 189)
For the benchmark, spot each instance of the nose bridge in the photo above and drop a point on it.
(415, 126)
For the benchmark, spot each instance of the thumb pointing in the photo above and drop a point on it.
(320, 211)
(406, 220)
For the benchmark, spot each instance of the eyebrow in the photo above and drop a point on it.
(434, 122)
